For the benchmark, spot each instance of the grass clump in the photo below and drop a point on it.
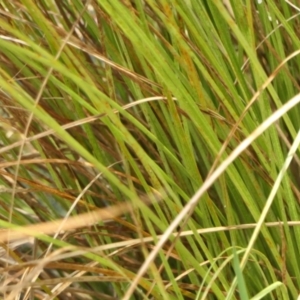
(149, 149)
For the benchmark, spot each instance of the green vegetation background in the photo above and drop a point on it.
(113, 101)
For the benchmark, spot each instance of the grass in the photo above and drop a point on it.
(149, 149)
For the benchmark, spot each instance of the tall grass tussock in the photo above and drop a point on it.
(149, 149)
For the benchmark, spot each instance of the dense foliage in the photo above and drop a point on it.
(119, 117)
